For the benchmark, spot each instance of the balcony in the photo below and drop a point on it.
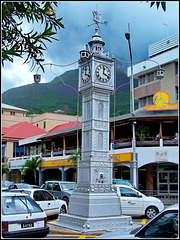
(145, 142)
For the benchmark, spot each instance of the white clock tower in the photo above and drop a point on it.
(94, 205)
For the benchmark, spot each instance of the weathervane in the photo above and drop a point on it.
(97, 19)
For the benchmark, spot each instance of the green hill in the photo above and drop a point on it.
(49, 97)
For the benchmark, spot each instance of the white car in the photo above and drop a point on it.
(163, 226)
(135, 203)
(47, 201)
(22, 217)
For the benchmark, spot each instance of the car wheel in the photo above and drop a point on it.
(63, 209)
(151, 212)
(66, 200)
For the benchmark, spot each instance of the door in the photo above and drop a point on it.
(131, 202)
(51, 203)
(167, 181)
(56, 190)
(46, 202)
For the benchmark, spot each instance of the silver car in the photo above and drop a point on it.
(49, 203)
(21, 217)
(164, 225)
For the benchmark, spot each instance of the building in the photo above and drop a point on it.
(162, 55)
(10, 141)
(12, 115)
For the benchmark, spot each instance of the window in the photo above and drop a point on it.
(38, 196)
(150, 77)
(177, 93)
(56, 187)
(141, 80)
(47, 196)
(12, 113)
(176, 68)
(142, 102)
(44, 125)
(128, 192)
(150, 100)
(49, 186)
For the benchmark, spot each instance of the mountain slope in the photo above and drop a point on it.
(48, 97)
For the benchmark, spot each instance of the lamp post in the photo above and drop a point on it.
(135, 167)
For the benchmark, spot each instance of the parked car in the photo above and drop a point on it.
(123, 182)
(22, 217)
(60, 189)
(135, 204)
(162, 226)
(49, 203)
(20, 186)
(5, 185)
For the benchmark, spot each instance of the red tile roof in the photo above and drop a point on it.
(65, 126)
(22, 130)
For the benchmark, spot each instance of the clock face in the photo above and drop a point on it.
(85, 73)
(103, 73)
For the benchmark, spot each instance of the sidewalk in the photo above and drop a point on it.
(61, 230)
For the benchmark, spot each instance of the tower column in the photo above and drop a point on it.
(95, 205)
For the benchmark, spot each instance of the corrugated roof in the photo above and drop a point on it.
(23, 130)
(3, 105)
(65, 126)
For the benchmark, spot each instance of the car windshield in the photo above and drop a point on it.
(24, 186)
(19, 205)
(68, 186)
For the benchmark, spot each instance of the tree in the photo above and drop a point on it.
(163, 5)
(73, 158)
(142, 132)
(4, 169)
(29, 45)
(32, 165)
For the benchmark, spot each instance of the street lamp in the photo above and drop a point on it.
(135, 167)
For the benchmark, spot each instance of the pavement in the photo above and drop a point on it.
(53, 228)
(62, 230)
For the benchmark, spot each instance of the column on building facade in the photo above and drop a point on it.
(40, 177)
(149, 177)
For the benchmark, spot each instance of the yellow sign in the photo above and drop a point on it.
(122, 157)
(55, 163)
(161, 102)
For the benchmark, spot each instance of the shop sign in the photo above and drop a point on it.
(123, 157)
(161, 102)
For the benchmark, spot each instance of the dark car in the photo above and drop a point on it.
(60, 189)
(162, 226)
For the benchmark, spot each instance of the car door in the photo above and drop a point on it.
(131, 201)
(51, 203)
(39, 198)
(56, 190)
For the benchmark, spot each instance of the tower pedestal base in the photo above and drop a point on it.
(92, 211)
(82, 224)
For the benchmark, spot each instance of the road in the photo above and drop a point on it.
(86, 236)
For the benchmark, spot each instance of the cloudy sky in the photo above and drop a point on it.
(147, 26)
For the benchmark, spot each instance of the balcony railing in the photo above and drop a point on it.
(168, 198)
(145, 142)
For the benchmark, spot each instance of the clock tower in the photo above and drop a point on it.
(94, 205)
